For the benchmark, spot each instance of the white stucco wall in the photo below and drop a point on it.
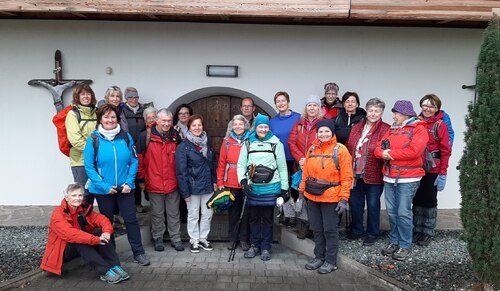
(167, 60)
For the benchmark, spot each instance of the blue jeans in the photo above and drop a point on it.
(371, 194)
(398, 201)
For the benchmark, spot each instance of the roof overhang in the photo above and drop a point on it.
(437, 13)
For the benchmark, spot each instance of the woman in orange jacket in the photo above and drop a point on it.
(75, 230)
(227, 176)
(402, 148)
(326, 183)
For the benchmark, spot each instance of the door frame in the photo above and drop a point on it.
(211, 91)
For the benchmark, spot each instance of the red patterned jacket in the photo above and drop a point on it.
(373, 167)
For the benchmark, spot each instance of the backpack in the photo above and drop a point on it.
(59, 121)
(95, 145)
(273, 149)
(334, 155)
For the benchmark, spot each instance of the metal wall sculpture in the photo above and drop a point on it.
(58, 85)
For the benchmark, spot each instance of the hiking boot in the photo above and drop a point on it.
(369, 240)
(244, 246)
(424, 240)
(124, 275)
(352, 236)
(390, 249)
(205, 245)
(111, 277)
(314, 264)
(158, 244)
(416, 237)
(284, 220)
(142, 260)
(301, 230)
(177, 245)
(140, 209)
(252, 252)
(195, 248)
(266, 255)
(327, 268)
(401, 254)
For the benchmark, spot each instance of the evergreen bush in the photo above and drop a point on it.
(480, 163)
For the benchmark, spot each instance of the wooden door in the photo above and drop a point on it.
(217, 111)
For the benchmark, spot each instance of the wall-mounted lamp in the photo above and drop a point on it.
(222, 71)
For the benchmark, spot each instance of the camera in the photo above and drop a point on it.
(385, 144)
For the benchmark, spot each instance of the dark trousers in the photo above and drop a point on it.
(289, 166)
(324, 220)
(107, 204)
(99, 257)
(80, 178)
(261, 226)
(234, 217)
(371, 194)
(426, 195)
(137, 193)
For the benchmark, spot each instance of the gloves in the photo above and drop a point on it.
(280, 201)
(244, 185)
(440, 182)
(341, 206)
(285, 195)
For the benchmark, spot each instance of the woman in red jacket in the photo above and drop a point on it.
(402, 148)
(75, 230)
(368, 183)
(436, 164)
(301, 138)
(227, 176)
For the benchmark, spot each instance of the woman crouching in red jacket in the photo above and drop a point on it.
(75, 230)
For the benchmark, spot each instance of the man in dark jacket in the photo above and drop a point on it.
(156, 152)
(132, 111)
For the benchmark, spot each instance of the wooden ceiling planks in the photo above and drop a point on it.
(466, 13)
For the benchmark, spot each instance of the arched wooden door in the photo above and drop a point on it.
(217, 111)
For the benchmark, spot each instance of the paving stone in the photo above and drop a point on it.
(243, 286)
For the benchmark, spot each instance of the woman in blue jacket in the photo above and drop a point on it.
(196, 175)
(111, 165)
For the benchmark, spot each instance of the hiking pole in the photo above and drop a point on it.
(232, 252)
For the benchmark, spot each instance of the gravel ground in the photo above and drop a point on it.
(444, 265)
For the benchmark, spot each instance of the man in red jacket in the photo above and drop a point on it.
(75, 230)
(156, 152)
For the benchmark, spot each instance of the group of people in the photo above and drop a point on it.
(345, 157)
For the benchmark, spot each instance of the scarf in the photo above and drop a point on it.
(182, 129)
(109, 134)
(253, 136)
(134, 109)
(239, 138)
(199, 141)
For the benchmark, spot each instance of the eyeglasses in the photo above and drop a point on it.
(331, 94)
(183, 113)
(428, 107)
(114, 88)
(247, 106)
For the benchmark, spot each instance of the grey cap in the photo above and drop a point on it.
(131, 92)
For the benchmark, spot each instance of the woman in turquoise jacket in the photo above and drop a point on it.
(111, 165)
(265, 187)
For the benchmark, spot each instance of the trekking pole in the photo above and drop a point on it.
(232, 252)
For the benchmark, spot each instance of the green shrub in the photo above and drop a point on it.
(480, 163)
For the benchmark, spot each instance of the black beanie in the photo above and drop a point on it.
(326, 122)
